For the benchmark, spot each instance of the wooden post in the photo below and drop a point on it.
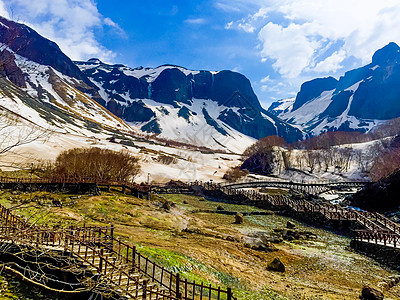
(144, 290)
(178, 280)
(101, 260)
(133, 256)
(229, 294)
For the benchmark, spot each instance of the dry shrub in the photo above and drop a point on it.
(235, 173)
(264, 145)
(166, 159)
(96, 163)
(385, 164)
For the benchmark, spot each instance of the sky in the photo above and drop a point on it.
(277, 44)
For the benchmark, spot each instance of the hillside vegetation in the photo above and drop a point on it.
(186, 235)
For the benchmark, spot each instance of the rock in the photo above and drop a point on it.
(276, 265)
(290, 225)
(167, 205)
(185, 202)
(219, 207)
(369, 293)
(239, 218)
(267, 248)
(230, 238)
(291, 235)
(276, 240)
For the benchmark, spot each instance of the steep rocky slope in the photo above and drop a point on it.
(359, 100)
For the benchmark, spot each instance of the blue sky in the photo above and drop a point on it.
(277, 44)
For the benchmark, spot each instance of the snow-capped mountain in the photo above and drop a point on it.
(40, 83)
(281, 106)
(217, 110)
(199, 107)
(360, 100)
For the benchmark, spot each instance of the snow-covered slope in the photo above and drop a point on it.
(360, 100)
(216, 109)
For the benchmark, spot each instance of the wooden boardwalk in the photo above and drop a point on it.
(310, 187)
(115, 266)
(135, 276)
(377, 228)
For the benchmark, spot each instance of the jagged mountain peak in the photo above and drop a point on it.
(26, 42)
(388, 54)
(361, 99)
(222, 101)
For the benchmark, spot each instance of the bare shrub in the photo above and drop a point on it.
(166, 159)
(235, 173)
(385, 164)
(95, 163)
(264, 145)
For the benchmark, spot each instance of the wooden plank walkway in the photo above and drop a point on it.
(377, 228)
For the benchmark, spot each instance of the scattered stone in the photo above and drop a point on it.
(219, 207)
(239, 218)
(291, 235)
(230, 238)
(368, 293)
(167, 205)
(278, 229)
(276, 265)
(247, 245)
(276, 240)
(267, 248)
(290, 225)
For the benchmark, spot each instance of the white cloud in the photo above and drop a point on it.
(198, 21)
(265, 79)
(247, 27)
(297, 34)
(69, 23)
(331, 63)
(290, 49)
(3, 11)
(229, 25)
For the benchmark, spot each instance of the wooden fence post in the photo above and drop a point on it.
(178, 280)
(144, 290)
(101, 260)
(229, 294)
(133, 256)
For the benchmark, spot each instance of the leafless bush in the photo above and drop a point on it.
(264, 145)
(235, 173)
(96, 163)
(166, 159)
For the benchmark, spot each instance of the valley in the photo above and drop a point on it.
(208, 246)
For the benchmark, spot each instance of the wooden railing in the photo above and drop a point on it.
(378, 228)
(98, 247)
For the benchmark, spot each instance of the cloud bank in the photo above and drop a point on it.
(70, 23)
(307, 36)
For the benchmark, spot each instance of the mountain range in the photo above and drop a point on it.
(215, 109)
(358, 101)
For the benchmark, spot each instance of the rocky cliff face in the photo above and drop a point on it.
(151, 95)
(359, 100)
